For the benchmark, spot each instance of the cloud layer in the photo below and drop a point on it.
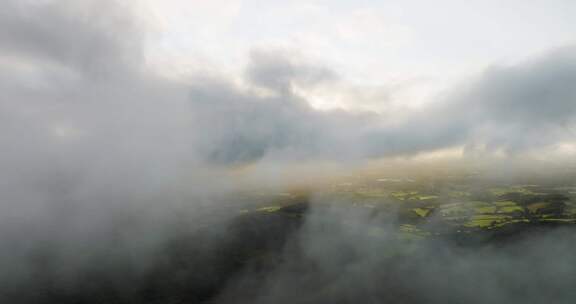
(71, 69)
(98, 149)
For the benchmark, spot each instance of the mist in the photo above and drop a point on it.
(119, 184)
(343, 254)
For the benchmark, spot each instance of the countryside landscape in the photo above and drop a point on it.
(287, 152)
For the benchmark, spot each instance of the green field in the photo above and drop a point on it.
(443, 206)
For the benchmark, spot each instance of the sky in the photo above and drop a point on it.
(232, 81)
(416, 47)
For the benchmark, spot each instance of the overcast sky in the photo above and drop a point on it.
(420, 46)
(236, 81)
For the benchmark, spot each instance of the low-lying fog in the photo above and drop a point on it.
(120, 185)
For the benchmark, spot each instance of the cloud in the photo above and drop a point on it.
(513, 108)
(88, 35)
(72, 67)
(347, 254)
(104, 161)
(280, 70)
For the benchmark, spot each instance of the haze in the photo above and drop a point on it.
(127, 125)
